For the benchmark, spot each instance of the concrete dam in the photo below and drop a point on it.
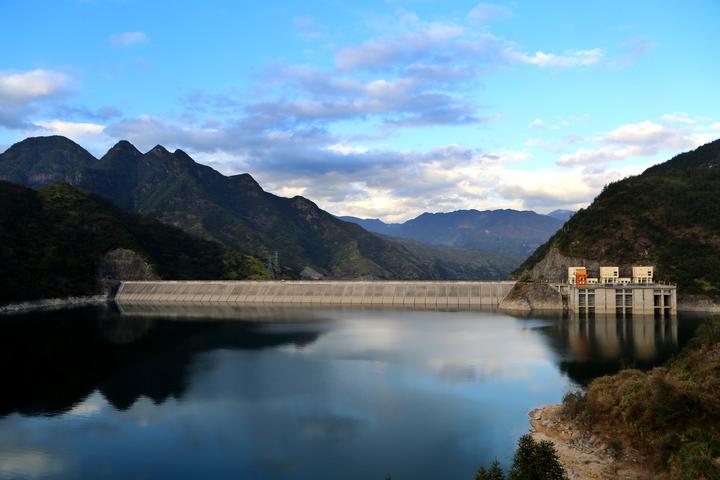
(460, 294)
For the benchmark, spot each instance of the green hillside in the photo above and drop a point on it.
(52, 241)
(669, 216)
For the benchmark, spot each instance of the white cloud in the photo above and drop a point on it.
(22, 93)
(640, 139)
(648, 138)
(545, 187)
(398, 102)
(345, 149)
(643, 133)
(715, 126)
(570, 58)
(127, 39)
(537, 124)
(558, 122)
(594, 156)
(22, 87)
(90, 135)
(384, 51)
(677, 117)
(448, 45)
(70, 129)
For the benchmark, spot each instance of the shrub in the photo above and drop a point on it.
(574, 405)
(696, 460)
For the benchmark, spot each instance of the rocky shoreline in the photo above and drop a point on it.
(584, 456)
(54, 304)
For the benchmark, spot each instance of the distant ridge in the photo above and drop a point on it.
(508, 232)
(563, 215)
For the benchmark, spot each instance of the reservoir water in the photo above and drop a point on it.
(276, 393)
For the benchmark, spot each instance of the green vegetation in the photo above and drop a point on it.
(670, 415)
(52, 242)
(669, 216)
(532, 461)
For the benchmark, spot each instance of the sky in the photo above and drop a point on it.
(375, 108)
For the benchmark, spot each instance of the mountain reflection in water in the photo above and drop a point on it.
(283, 392)
(51, 361)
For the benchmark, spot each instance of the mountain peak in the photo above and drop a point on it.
(244, 181)
(57, 142)
(182, 156)
(125, 147)
(158, 150)
(38, 161)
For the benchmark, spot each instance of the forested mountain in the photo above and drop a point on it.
(234, 210)
(509, 232)
(53, 240)
(669, 217)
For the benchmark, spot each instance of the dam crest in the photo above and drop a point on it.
(406, 293)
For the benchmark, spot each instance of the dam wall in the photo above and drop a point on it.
(405, 293)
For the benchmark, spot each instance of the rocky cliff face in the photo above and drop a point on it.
(698, 303)
(554, 267)
(532, 296)
(124, 264)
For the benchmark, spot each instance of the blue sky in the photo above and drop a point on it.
(375, 108)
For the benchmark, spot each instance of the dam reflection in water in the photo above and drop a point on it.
(602, 344)
(279, 392)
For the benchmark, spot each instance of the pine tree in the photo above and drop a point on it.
(492, 473)
(536, 461)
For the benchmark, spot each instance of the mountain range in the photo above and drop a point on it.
(668, 217)
(236, 212)
(509, 232)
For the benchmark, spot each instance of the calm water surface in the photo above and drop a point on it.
(291, 393)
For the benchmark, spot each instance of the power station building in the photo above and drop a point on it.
(620, 295)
